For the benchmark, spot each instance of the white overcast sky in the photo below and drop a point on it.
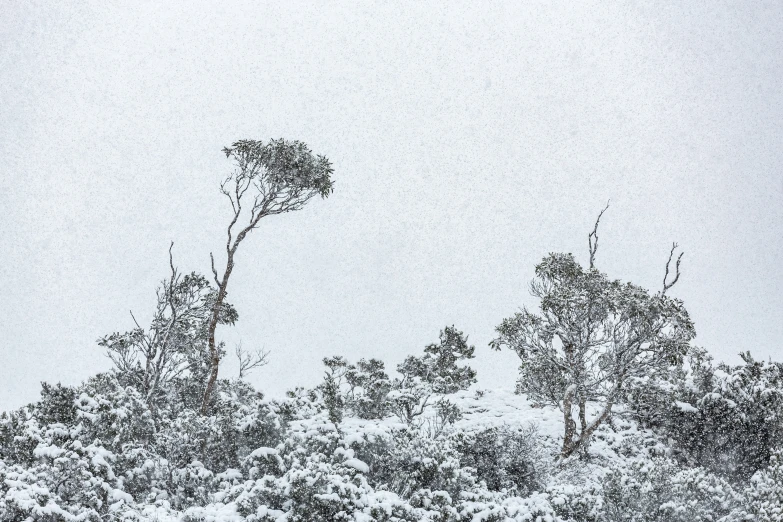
(468, 141)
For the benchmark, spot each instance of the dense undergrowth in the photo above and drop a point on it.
(701, 444)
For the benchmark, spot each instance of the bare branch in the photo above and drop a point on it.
(171, 262)
(250, 361)
(592, 237)
(135, 321)
(667, 285)
(214, 272)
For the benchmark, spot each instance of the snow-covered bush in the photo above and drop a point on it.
(67, 478)
(410, 461)
(17, 441)
(109, 456)
(369, 389)
(506, 458)
(764, 494)
(436, 372)
(657, 490)
(727, 419)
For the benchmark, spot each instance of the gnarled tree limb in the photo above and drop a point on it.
(666, 284)
(592, 237)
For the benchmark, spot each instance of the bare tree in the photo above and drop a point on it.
(592, 335)
(269, 178)
(151, 358)
(249, 361)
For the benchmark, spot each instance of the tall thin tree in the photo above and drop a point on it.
(268, 178)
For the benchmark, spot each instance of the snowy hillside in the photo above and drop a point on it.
(497, 462)
(615, 414)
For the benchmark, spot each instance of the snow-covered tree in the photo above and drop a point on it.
(435, 372)
(592, 334)
(175, 342)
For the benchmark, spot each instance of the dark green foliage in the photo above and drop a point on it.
(504, 458)
(435, 372)
(727, 419)
(16, 444)
(438, 366)
(330, 388)
(288, 164)
(369, 389)
(56, 405)
(369, 393)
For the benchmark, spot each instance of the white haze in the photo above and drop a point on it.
(468, 141)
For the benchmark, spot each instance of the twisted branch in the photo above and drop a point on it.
(592, 237)
(667, 285)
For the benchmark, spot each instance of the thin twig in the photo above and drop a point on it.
(592, 237)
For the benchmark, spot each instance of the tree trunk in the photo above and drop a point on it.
(570, 425)
(214, 355)
(572, 443)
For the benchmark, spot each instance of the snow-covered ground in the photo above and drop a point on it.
(322, 472)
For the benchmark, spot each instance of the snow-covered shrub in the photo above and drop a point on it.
(67, 480)
(491, 507)
(658, 490)
(25, 494)
(310, 476)
(581, 502)
(17, 440)
(369, 389)
(113, 413)
(57, 405)
(505, 458)
(410, 461)
(66, 455)
(146, 476)
(191, 484)
(727, 419)
(242, 421)
(436, 372)
(297, 404)
(764, 494)
(261, 462)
